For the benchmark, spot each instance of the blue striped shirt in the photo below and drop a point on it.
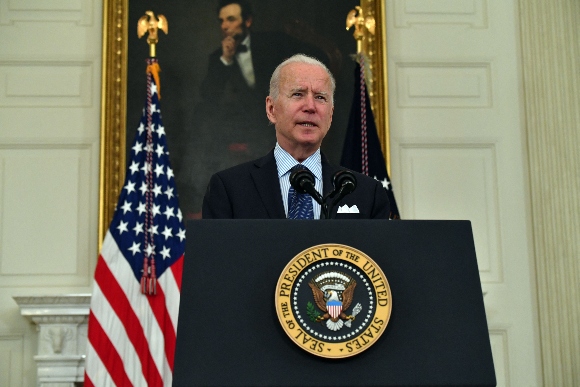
(285, 162)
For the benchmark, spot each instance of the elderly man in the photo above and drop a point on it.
(300, 105)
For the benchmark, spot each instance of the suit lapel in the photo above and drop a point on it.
(328, 170)
(265, 175)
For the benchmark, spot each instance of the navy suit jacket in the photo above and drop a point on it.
(252, 191)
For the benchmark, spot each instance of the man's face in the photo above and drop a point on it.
(231, 21)
(302, 113)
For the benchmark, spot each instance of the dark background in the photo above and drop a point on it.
(183, 57)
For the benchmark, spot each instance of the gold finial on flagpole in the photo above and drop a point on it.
(149, 23)
(357, 19)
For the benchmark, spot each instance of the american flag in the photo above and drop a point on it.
(362, 150)
(135, 301)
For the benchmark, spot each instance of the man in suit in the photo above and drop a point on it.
(300, 105)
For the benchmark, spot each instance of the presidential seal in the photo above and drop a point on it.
(333, 301)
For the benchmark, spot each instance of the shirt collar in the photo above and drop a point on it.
(247, 41)
(285, 162)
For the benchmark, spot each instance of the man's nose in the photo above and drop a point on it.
(309, 103)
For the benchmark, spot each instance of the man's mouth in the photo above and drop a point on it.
(308, 124)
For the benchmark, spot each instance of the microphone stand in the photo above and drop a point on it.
(343, 185)
(303, 181)
(329, 204)
(323, 201)
(324, 210)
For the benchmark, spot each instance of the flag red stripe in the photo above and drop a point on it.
(177, 269)
(88, 382)
(124, 311)
(161, 314)
(107, 352)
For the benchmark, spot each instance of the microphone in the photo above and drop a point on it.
(303, 182)
(344, 181)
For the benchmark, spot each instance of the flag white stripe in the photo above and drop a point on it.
(116, 332)
(167, 374)
(95, 369)
(126, 278)
(172, 295)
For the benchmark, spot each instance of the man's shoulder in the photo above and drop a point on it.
(276, 44)
(361, 178)
(216, 54)
(243, 168)
(236, 170)
(268, 36)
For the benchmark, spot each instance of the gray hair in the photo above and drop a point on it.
(298, 58)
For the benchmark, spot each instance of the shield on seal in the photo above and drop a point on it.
(334, 308)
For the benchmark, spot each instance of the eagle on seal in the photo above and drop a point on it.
(333, 293)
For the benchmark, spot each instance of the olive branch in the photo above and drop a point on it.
(312, 312)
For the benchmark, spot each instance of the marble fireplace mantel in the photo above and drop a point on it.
(61, 323)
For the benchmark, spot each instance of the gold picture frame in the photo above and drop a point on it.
(116, 26)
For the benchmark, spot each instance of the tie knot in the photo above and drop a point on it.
(299, 167)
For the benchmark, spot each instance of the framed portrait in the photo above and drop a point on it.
(211, 124)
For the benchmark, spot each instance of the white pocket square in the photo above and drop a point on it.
(348, 210)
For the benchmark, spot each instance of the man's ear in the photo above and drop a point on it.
(248, 22)
(331, 114)
(270, 109)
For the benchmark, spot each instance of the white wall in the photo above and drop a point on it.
(50, 78)
(458, 152)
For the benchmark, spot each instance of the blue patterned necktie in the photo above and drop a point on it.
(299, 205)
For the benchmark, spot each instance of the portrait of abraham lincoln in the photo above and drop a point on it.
(216, 62)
